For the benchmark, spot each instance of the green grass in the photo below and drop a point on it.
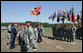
(3, 31)
(48, 31)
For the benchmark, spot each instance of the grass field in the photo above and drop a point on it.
(2, 31)
(48, 45)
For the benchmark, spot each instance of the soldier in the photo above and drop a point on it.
(26, 45)
(53, 30)
(61, 32)
(36, 34)
(57, 32)
(31, 34)
(9, 34)
(69, 33)
(64, 32)
(13, 36)
(80, 32)
(73, 29)
(40, 33)
(77, 31)
(20, 28)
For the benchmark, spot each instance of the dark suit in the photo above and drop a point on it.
(13, 35)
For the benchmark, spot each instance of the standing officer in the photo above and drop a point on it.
(77, 31)
(36, 34)
(20, 28)
(40, 33)
(64, 32)
(80, 31)
(31, 35)
(13, 35)
(73, 29)
(57, 32)
(53, 31)
(9, 34)
(26, 45)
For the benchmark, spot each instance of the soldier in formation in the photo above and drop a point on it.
(66, 32)
(79, 31)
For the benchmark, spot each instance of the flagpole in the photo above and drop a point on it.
(37, 19)
(52, 23)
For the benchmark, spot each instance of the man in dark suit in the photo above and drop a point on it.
(13, 35)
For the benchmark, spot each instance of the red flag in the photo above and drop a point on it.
(73, 17)
(39, 8)
(60, 11)
(67, 11)
(35, 11)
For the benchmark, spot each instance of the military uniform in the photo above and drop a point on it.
(32, 36)
(40, 34)
(65, 31)
(58, 32)
(53, 31)
(20, 38)
(25, 46)
(73, 29)
(36, 36)
(9, 34)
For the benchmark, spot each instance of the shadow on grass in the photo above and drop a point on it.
(49, 37)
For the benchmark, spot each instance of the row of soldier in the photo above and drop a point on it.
(67, 32)
(27, 36)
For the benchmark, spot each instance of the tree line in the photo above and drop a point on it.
(44, 24)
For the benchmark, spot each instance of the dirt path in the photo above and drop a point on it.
(48, 45)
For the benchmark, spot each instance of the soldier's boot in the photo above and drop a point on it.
(78, 37)
(67, 39)
(64, 39)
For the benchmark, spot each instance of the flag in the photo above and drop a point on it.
(58, 16)
(73, 17)
(70, 12)
(68, 15)
(52, 16)
(67, 11)
(78, 17)
(38, 9)
(58, 19)
(35, 11)
(81, 13)
(60, 11)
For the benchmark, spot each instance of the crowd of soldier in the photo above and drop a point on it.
(27, 36)
(67, 32)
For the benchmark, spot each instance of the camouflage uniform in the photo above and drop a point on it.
(25, 46)
(40, 34)
(36, 36)
(9, 34)
(73, 29)
(32, 36)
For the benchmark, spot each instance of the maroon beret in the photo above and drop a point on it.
(28, 21)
